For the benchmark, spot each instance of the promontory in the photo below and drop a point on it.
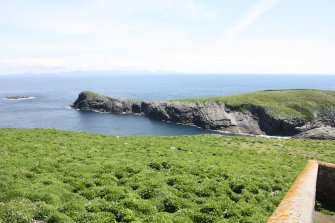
(300, 113)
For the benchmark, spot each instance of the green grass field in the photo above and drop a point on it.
(60, 176)
(288, 104)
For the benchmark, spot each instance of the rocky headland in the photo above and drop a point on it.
(226, 115)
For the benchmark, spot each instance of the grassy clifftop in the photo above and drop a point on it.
(288, 104)
(59, 176)
(91, 94)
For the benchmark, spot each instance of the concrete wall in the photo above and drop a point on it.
(298, 204)
(325, 187)
(315, 182)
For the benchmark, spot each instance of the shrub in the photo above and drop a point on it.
(141, 206)
(123, 214)
(58, 218)
(203, 191)
(170, 204)
(212, 209)
(148, 192)
(166, 165)
(111, 193)
(159, 166)
(237, 186)
(42, 211)
(172, 181)
(19, 210)
(98, 217)
(73, 208)
(203, 218)
(44, 196)
(154, 165)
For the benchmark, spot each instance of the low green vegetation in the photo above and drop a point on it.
(60, 176)
(91, 94)
(325, 208)
(288, 104)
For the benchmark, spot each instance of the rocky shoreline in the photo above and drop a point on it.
(213, 115)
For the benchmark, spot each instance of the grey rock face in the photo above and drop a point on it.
(209, 115)
(318, 133)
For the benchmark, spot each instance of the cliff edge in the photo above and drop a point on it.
(282, 112)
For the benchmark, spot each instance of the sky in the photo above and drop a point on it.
(182, 36)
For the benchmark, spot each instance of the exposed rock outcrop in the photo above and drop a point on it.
(213, 115)
(318, 133)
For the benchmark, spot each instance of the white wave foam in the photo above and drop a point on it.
(18, 99)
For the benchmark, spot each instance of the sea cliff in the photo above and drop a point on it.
(221, 114)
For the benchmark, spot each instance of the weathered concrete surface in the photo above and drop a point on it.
(325, 192)
(315, 183)
(298, 204)
(323, 218)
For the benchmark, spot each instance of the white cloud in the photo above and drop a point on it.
(165, 35)
(248, 19)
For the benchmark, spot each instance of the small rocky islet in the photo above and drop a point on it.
(296, 113)
(17, 97)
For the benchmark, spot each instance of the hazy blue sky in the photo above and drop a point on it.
(202, 36)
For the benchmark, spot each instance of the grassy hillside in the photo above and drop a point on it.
(60, 176)
(289, 104)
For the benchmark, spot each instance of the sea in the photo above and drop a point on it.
(50, 97)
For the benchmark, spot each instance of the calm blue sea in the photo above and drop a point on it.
(54, 93)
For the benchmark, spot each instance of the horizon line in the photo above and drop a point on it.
(143, 72)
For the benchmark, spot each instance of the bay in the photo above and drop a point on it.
(53, 94)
